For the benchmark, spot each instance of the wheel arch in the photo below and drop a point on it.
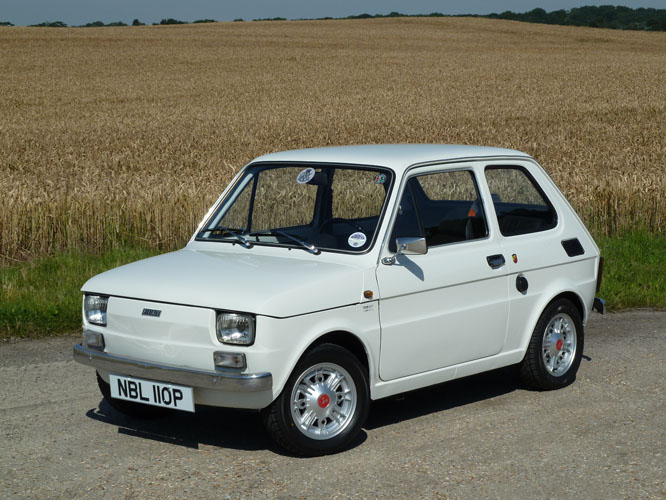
(575, 299)
(346, 340)
(568, 294)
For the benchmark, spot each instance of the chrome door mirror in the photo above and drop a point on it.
(411, 246)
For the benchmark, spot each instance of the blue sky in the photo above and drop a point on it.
(73, 12)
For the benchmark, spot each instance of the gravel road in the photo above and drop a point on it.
(481, 437)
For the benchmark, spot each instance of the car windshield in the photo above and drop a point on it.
(313, 207)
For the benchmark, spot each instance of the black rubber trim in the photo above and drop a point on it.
(573, 247)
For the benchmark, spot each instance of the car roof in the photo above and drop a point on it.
(395, 156)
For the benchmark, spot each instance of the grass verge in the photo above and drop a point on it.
(41, 297)
(634, 270)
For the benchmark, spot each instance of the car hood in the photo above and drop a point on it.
(247, 282)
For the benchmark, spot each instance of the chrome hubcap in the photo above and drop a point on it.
(323, 401)
(559, 344)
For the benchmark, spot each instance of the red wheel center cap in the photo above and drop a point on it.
(323, 401)
(559, 344)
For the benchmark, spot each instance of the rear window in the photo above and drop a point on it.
(520, 204)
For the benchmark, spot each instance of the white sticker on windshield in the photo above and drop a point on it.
(305, 175)
(356, 240)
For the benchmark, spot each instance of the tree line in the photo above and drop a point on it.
(604, 16)
(99, 24)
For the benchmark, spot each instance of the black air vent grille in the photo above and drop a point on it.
(573, 247)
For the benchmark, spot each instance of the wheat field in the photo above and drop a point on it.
(125, 136)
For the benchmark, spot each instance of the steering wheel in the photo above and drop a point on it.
(333, 220)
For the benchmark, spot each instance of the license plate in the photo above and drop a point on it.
(148, 392)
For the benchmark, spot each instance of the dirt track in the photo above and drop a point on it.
(481, 437)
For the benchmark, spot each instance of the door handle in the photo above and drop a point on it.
(495, 261)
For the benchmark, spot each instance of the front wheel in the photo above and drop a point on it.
(323, 404)
(555, 349)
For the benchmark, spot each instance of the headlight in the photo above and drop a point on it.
(94, 307)
(233, 328)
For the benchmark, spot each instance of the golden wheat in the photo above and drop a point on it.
(125, 136)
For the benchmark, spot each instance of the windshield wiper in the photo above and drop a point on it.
(268, 232)
(242, 240)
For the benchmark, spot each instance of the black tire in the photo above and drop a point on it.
(324, 363)
(548, 362)
(135, 410)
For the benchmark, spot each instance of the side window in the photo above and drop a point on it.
(520, 205)
(448, 209)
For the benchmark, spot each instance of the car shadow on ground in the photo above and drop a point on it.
(221, 427)
(243, 430)
(442, 397)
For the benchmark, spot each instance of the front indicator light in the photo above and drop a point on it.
(229, 360)
(93, 340)
(234, 328)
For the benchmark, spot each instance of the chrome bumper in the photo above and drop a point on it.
(222, 381)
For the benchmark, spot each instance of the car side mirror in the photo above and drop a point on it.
(411, 246)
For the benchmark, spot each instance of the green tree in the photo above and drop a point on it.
(603, 16)
(172, 21)
(49, 24)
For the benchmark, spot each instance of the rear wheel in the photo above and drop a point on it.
(128, 408)
(555, 349)
(323, 404)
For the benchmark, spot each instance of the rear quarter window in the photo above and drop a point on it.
(520, 204)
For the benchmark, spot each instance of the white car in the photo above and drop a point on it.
(323, 279)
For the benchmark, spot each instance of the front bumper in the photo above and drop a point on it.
(219, 380)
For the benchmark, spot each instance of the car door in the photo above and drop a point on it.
(450, 305)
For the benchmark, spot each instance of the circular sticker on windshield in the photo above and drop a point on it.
(305, 175)
(356, 240)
